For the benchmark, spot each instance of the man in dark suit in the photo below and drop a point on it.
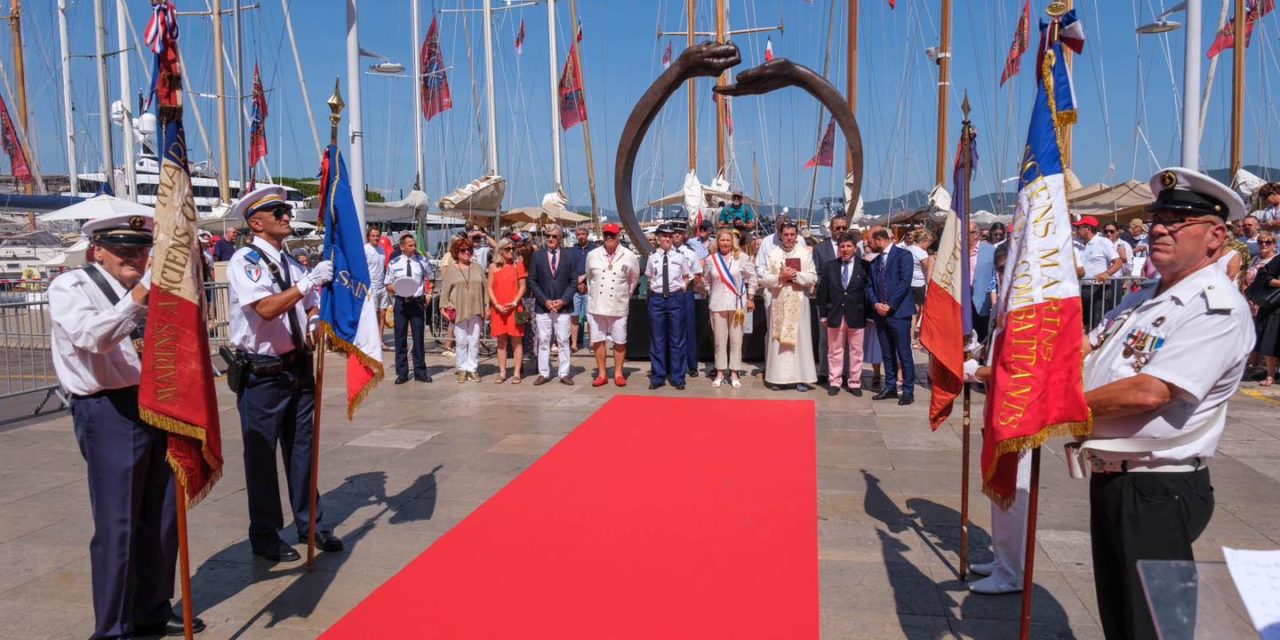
(842, 292)
(826, 251)
(892, 308)
(553, 279)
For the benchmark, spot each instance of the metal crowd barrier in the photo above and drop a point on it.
(1099, 298)
(26, 354)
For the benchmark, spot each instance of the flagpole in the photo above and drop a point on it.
(122, 40)
(553, 57)
(184, 558)
(1237, 92)
(1028, 580)
(586, 122)
(944, 83)
(335, 116)
(967, 422)
(421, 180)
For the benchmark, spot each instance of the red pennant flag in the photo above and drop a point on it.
(1021, 40)
(176, 393)
(258, 120)
(435, 81)
(1226, 37)
(520, 38)
(573, 108)
(768, 50)
(13, 146)
(826, 148)
(666, 57)
(893, 4)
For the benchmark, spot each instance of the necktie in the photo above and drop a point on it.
(295, 330)
(881, 286)
(844, 275)
(554, 259)
(666, 275)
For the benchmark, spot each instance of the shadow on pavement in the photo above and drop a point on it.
(234, 568)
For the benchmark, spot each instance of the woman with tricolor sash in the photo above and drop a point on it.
(731, 280)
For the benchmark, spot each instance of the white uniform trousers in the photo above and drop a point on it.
(1009, 529)
(466, 335)
(560, 324)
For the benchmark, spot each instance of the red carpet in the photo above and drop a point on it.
(656, 518)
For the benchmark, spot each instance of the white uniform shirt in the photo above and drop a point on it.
(611, 280)
(248, 282)
(1098, 255)
(1196, 336)
(679, 271)
(692, 254)
(92, 351)
(376, 259)
(416, 267)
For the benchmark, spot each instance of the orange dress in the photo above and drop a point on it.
(506, 282)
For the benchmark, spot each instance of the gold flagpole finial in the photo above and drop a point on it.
(336, 105)
(1056, 9)
(964, 106)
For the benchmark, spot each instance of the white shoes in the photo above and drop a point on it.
(990, 586)
(735, 383)
(717, 382)
(983, 568)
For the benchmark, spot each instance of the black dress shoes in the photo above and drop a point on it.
(677, 387)
(325, 541)
(857, 392)
(278, 552)
(174, 627)
(655, 385)
(802, 387)
(833, 390)
(886, 394)
(906, 399)
(401, 379)
(692, 373)
(423, 378)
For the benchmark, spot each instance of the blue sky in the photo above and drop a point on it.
(1126, 85)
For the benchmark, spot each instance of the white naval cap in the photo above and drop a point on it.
(134, 229)
(1194, 193)
(259, 199)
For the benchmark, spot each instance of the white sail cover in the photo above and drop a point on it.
(694, 198)
(1246, 184)
(482, 196)
(939, 200)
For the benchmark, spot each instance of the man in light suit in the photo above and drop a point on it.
(827, 251)
(553, 279)
(892, 307)
(612, 272)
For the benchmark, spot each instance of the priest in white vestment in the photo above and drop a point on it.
(789, 274)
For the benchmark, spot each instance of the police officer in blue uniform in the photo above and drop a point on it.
(669, 272)
(274, 308)
(98, 315)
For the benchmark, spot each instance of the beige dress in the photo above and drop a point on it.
(789, 355)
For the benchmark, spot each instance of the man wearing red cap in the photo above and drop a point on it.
(612, 272)
(1101, 261)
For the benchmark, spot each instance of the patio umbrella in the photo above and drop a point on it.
(96, 207)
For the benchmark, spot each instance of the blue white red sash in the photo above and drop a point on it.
(722, 268)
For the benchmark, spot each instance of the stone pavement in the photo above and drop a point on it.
(419, 458)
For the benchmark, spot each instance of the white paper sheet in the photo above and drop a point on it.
(1257, 577)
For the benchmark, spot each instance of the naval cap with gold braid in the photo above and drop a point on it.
(132, 229)
(1194, 194)
(261, 199)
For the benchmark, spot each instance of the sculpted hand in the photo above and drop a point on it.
(775, 74)
(322, 274)
(708, 59)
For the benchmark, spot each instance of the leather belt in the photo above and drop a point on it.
(421, 298)
(107, 393)
(1133, 466)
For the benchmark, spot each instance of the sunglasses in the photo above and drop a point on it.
(508, 249)
(1174, 222)
(554, 235)
(1266, 242)
(464, 250)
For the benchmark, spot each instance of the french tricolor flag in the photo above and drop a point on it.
(1037, 386)
(768, 50)
(348, 319)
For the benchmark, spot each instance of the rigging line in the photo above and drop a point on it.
(826, 64)
(1099, 69)
(759, 104)
(1173, 80)
(1213, 70)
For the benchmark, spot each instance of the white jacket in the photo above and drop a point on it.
(610, 283)
(742, 272)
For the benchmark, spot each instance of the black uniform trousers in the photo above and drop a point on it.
(278, 409)
(134, 549)
(410, 313)
(1141, 516)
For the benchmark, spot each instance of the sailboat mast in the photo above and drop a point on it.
(302, 78)
(19, 66)
(721, 80)
(490, 100)
(224, 190)
(944, 83)
(354, 122)
(1237, 92)
(104, 108)
(555, 95)
(122, 40)
(1191, 88)
(851, 81)
(420, 178)
(693, 114)
(586, 123)
(244, 149)
(67, 121)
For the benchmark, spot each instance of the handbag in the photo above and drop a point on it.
(450, 313)
(522, 316)
(1261, 293)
